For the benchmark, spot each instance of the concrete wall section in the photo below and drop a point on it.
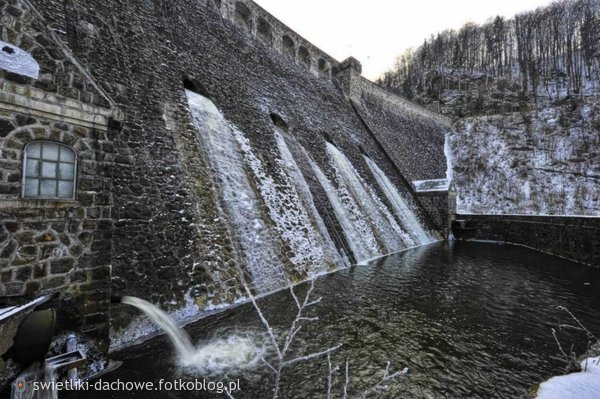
(436, 205)
(575, 238)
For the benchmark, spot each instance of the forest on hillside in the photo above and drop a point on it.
(551, 53)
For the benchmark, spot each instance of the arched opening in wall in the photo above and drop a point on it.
(195, 86)
(288, 46)
(334, 71)
(327, 137)
(15, 60)
(264, 31)
(243, 15)
(323, 67)
(362, 151)
(279, 122)
(304, 56)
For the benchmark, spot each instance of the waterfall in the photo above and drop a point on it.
(271, 210)
(222, 356)
(406, 215)
(259, 245)
(358, 233)
(305, 196)
(389, 233)
(286, 231)
(309, 255)
(179, 338)
(448, 154)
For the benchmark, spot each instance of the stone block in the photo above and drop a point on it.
(62, 265)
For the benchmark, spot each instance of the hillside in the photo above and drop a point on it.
(524, 93)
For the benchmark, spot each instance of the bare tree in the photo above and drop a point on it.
(282, 346)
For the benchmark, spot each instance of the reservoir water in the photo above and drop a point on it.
(468, 319)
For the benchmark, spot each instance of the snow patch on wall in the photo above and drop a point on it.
(18, 61)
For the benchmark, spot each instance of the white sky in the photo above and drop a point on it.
(377, 31)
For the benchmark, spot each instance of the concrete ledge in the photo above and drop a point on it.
(36, 102)
(27, 203)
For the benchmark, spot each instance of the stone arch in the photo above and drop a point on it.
(264, 31)
(323, 67)
(243, 15)
(288, 46)
(304, 56)
(15, 60)
(279, 122)
(27, 130)
(327, 137)
(195, 86)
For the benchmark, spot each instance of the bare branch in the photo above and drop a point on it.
(260, 313)
(346, 382)
(269, 365)
(311, 356)
(332, 370)
(315, 302)
(295, 297)
(581, 326)
(381, 385)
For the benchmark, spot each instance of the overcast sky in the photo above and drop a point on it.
(376, 31)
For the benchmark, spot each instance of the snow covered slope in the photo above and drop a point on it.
(535, 163)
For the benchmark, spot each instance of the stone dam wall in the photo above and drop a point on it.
(146, 218)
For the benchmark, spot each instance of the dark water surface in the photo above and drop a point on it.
(468, 320)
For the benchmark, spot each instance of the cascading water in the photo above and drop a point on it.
(288, 232)
(407, 217)
(178, 337)
(228, 355)
(294, 221)
(257, 241)
(303, 196)
(389, 234)
(448, 154)
(358, 233)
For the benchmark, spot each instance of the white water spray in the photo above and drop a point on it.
(407, 216)
(448, 154)
(358, 233)
(258, 242)
(293, 173)
(390, 235)
(179, 338)
(228, 355)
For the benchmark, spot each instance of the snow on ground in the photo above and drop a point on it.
(582, 385)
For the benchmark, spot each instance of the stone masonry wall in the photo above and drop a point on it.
(170, 240)
(60, 73)
(55, 246)
(436, 204)
(411, 137)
